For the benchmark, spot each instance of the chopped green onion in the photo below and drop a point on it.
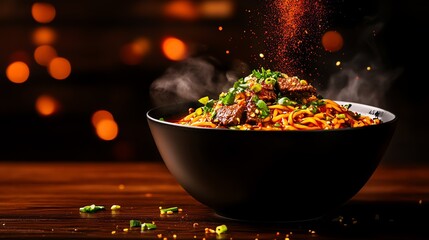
(148, 226)
(257, 74)
(313, 109)
(228, 99)
(303, 82)
(221, 229)
(243, 85)
(286, 101)
(263, 107)
(204, 100)
(341, 116)
(167, 210)
(256, 87)
(199, 111)
(347, 106)
(210, 103)
(91, 208)
(209, 106)
(135, 223)
(270, 80)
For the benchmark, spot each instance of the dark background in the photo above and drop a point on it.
(390, 36)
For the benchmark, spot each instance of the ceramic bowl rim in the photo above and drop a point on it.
(391, 119)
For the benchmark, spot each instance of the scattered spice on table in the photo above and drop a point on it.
(209, 230)
(115, 207)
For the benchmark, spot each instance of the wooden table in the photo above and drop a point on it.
(42, 201)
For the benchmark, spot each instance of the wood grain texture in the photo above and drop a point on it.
(42, 201)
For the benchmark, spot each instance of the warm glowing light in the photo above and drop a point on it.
(174, 49)
(133, 52)
(44, 54)
(46, 105)
(59, 68)
(43, 12)
(216, 9)
(368, 68)
(18, 72)
(107, 129)
(227, 51)
(261, 55)
(182, 9)
(338, 63)
(44, 36)
(220, 28)
(99, 116)
(332, 41)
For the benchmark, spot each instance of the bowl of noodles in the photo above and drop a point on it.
(271, 149)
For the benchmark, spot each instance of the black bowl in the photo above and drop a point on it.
(271, 175)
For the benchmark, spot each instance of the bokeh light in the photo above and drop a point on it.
(181, 9)
(217, 9)
(44, 36)
(105, 125)
(174, 49)
(59, 68)
(46, 105)
(107, 129)
(18, 72)
(100, 115)
(43, 12)
(332, 41)
(133, 53)
(44, 54)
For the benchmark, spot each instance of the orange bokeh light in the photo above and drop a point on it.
(174, 49)
(18, 72)
(132, 53)
(107, 129)
(182, 9)
(44, 54)
(216, 9)
(43, 12)
(44, 36)
(59, 68)
(99, 116)
(332, 41)
(46, 105)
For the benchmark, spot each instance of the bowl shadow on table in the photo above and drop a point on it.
(354, 220)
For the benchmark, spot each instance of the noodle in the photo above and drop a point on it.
(270, 101)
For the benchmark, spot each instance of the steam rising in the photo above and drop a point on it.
(192, 79)
(356, 83)
(363, 79)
